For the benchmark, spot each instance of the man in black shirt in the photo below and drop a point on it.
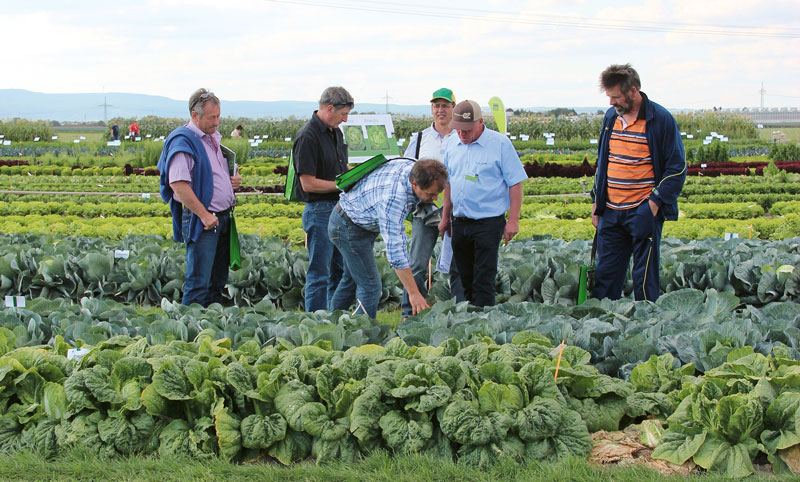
(319, 155)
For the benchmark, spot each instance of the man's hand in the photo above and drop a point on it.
(511, 230)
(209, 221)
(236, 181)
(653, 207)
(444, 226)
(595, 218)
(415, 298)
(417, 302)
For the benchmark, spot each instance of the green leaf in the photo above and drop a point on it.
(229, 438)
(293, 447)
(717, 455)
(261, 432)
(54, 400)
(552, 431)
(405, 433)
(488, 455)
(650, 433)
(494, 397)
(290, 400)
(171, 382)
(782, 423)
(677, 447)
(462, 423)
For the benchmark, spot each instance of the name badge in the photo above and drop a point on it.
(471, 178)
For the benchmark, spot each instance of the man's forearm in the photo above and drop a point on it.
(316, 185)
(515, 196)
(407, 279)
(188, 198)
(447, 205)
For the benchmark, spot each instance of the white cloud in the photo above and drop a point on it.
(522, 51)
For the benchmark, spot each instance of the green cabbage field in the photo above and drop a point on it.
(97, 353)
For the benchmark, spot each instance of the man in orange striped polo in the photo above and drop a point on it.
(641, 168)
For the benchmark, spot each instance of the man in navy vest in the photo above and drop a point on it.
(196, 181)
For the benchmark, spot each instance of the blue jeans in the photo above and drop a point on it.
(207, 261)
(620, 234)
(361, 281)
(324, 260)
(423, 240)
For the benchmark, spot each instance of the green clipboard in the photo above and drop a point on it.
(235, 254)
(290, 190)
(346, 180)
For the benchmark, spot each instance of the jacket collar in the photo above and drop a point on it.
(645, 112)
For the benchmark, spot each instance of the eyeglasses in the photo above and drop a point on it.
(201, 96)
(442, 106)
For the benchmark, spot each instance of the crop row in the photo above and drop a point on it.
(531, 270)
(781, 184)
(530, 209)
(290, 229)
(476, 401)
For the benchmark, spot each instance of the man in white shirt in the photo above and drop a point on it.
(430, 144)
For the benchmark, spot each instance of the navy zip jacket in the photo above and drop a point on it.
(183, 139)
(666, 151)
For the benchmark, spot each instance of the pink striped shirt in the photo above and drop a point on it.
(180, 169)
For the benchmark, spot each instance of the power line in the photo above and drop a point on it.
(552, 20)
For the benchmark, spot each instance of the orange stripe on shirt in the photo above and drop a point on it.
(630, 169)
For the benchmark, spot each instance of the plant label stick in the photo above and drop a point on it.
(558, 363)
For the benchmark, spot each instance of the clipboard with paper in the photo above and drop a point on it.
(235, 253)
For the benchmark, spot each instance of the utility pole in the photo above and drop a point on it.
(762, 91)
(387, 100)
(105, 107)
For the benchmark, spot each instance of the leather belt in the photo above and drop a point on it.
(221, 213)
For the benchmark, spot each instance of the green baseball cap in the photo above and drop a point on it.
(445, 94)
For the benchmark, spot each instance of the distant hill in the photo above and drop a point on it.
(89, 107)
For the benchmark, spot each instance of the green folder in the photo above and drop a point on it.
(292, 181)
(346, 180)
(235, 254)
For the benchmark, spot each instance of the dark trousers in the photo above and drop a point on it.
(620, 234)
(476, 243)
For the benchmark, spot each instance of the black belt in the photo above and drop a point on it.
(221, 213)
(462, 219)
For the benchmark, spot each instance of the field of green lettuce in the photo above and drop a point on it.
(103, 360)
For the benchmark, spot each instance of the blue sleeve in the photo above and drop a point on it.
(674, 162)
(513, 172)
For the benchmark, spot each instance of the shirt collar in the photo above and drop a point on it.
(439, 134)
(318, 124)
(480, 140)
(193, 127)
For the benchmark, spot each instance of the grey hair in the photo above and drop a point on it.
(426, 171)
(338, 97)
(623, 76)
(199, 99)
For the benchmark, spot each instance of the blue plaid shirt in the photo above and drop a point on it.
(380, 203)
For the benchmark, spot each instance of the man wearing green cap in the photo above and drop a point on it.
(430, 144)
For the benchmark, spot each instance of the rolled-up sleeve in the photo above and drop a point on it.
(393, 231)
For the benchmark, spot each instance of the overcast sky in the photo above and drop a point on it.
(529, 53)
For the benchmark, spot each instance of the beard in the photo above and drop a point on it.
(625, 107)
